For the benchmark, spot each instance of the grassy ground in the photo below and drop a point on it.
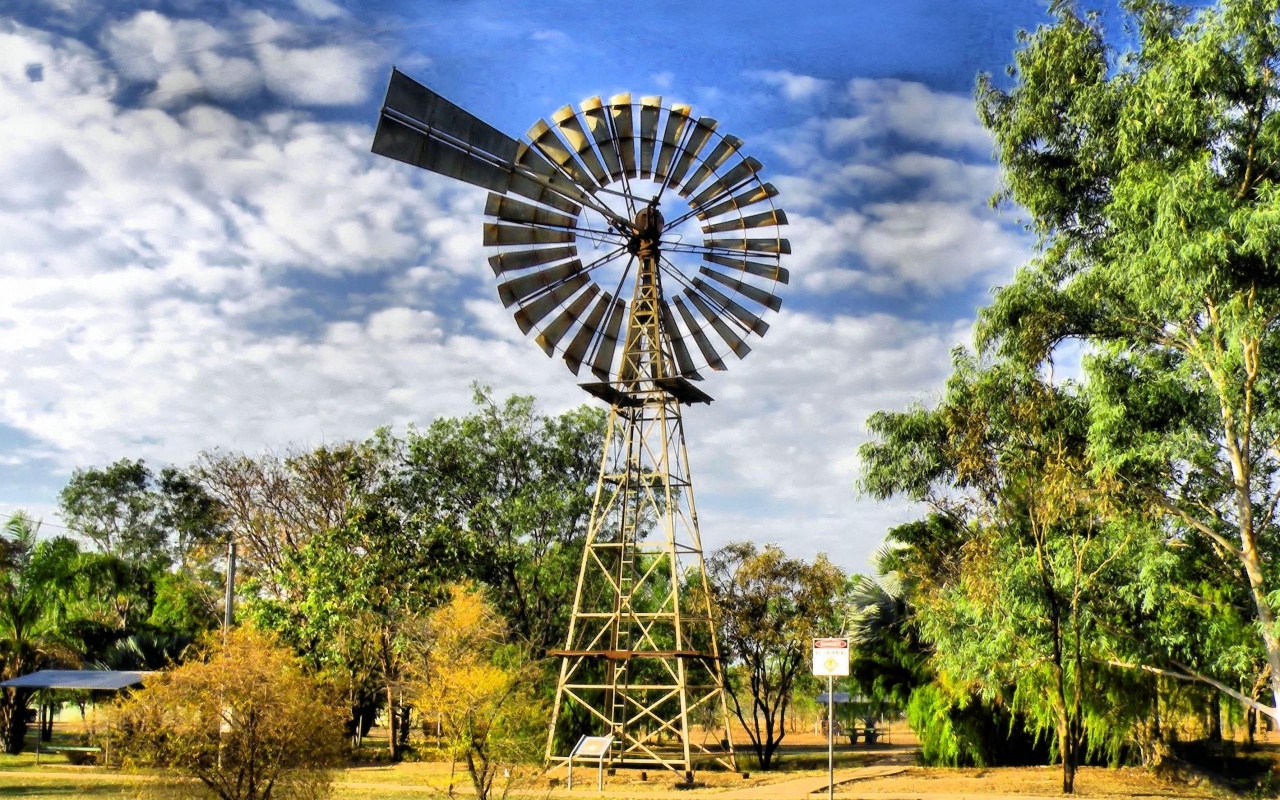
(803, 755)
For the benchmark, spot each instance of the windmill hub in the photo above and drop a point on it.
(647, 231)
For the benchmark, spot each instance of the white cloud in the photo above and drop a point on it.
(793, 87)
(185, 58)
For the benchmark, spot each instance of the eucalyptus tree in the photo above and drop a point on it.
(770, 607)
(516, 485)
(1150, 177)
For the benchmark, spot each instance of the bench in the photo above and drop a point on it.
(54, 749)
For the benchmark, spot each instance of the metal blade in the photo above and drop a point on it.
(557, 152)
(743, 171)
(603, 361)
(758, 326)
(553, 333)
(766, 299)
(509, 209)
(397, 139)
(577, 349)
(623, 131)
(700, 337)
(763, 220)
(571, 129)
(597, 122)
(530, 315)
(650, 110)
(517, 290)
(523, 259)
(755, 194)
(699, 135)
(771, 271)
(774, 246)
(413, 100)
(731, 338)
(683, 361)
(677, 119)
(541, 193)
(718, 155)
(496, 235)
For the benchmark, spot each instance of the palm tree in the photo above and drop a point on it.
(29, 638)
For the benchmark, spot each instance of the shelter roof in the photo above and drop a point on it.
(105, 679)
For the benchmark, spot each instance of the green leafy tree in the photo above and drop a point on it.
(517, 484)
(127, 511)
(1150, 178)
(770, 608)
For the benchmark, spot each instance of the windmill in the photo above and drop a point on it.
(643, 301)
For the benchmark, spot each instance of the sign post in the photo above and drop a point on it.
(589, 747)
(831, 660)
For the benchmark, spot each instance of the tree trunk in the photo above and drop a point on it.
(391, 721)
(1068, 750)
(1215, 717)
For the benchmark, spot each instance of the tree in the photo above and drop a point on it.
(1150, 179)
(32, 583)
(126, 511)
(1026, 602)
(244, 719)
(480, 689)
(273, 503)
(518, 486)
(771, 606)
(351, 596)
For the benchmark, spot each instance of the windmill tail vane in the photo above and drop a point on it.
(641, 661)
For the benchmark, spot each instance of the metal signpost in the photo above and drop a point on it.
(831, 659)
(596, 747)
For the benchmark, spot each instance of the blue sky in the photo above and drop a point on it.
(199, 250)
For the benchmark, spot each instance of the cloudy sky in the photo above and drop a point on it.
(198, 250)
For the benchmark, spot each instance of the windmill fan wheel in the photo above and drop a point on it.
(629, 182)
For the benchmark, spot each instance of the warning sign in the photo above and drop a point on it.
(830, 657)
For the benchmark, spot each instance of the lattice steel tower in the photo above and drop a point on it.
(641, 660)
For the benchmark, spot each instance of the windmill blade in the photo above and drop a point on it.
(508, 209)
(731, 338)
(753, 195)
(603, 361)
(742, 172)
(771, 271)
(773, 246)
(597, 122)
(553, 333)
(497, 235)
(571, 129)
(677, 119)
(719, 154)
(766, 299)
(576, 352)
(421, 128)
(683, 360)
(533, 313)
(517, 290)
(408, 101)
(623, 132)
(523, 259)
(650, 110)
(699, 337)
(557, 152)
(762, 220)
(757, 326)
(699, 135)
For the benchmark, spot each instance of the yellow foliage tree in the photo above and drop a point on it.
(479, 688)
(244, 719)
